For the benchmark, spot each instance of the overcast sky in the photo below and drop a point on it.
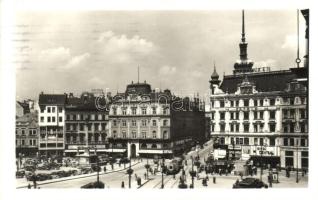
(76, 51)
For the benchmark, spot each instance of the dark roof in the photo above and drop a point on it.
(138, 88)
(52, 99)
(85, 104)
(264, 82)
(25, 106)
(30, 118)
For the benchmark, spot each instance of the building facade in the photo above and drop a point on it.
(27, 133)
(145, 123)
(86, 125)
(51, 118)
(261, 114)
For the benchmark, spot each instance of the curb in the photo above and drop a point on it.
(144, 183)
(73, 178)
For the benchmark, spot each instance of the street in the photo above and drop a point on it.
(114, 178)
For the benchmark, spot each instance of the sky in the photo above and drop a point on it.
(58, 52)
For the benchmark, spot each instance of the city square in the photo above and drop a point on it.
(171, 127)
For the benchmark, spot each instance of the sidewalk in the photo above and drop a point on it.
(23, 183)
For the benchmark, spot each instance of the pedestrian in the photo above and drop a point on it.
(145, 176)
(136, 176)
(122, 184)
(29, 186)
(270, 180)
(174, 176)
(112, 166)
(104, 169)
(207, 177)
(241, 175)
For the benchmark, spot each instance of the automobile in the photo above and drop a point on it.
(96, 168)
(19, 174)
(124, 160)
(93, 185)
(250, 183)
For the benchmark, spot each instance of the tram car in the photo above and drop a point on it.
(174, 166)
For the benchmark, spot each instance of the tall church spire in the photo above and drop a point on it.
(243, 27)
(243, 65)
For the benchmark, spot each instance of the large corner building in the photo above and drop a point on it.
(261, 114)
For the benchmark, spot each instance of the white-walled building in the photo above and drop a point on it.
(261, 114)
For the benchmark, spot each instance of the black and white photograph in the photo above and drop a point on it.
(159, 99)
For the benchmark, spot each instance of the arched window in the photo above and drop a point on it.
(154, 134)
(154, 146)
(144, 146)
(165, 134)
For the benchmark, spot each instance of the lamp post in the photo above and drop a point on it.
(163, 163)
(192, 173)
(86, 132)
(97, 168)
(162, 171)
(147, 167)
(297, 178)
(261, 174)
(129, 172)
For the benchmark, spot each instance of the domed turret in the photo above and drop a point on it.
(214, 80)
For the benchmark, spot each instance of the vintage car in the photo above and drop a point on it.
(93, 185)
(250, 183)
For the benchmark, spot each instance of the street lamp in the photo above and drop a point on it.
(163, 163)
(129, 172)
(261, 175)
(98, 168)
(297, 144)
(162, 171)
(192, 173)
(147, 166)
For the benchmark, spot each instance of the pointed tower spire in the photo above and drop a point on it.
(138, 74)
(243, 65)
(215, 75)
(214, 79)
(243, 27)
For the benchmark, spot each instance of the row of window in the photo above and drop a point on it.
(290, 127)
(165, 111)
(260, 102)
(82, 117)
(81, 127)
(23, 132)
(246, 141)
(256, 114)
(143, 123)
(143, 134)
(51, 145)
(81, 139)
(52, 109)
(23, 142)
(290, 114)
(257, 128)
(51, 119)
(295, 142)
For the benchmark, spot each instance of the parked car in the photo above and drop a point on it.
(19, 174)
(250, 183)
(92, 185)
(124, 160)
